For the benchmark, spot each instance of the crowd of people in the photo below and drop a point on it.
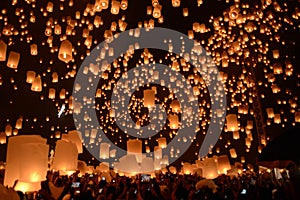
(247, 185)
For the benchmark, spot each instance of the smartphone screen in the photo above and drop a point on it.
(244, 191)
(75, 185)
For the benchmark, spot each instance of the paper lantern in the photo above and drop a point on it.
(14, 156)
(112, 153)
(54, 77)
(175, 3)
(124, 4)
(157, 11)
(75, 137)
(30, 76)
(104, 4)
(236, 135)
(162, 142)
(65, 158)
(2, 137)
(49, 7)
(37, 84)
(8, 130)
(248, 142)
(103, 167)
(129, 164)
(174, 121)
(275, 54)
(234, 12)
(115, 7)
(157, 152)
(270, 112)
(175, 106)
(223, 164)
(147, 165)
(173, 170)
(249, 124)
(104, 150)
(51, 93)
(3, 48)
(185, 12)
(65, 51)
(27, 186)
(157, 164)
(33, 49)
(33, 162)
(134, 146)
(210, 170)
(233, 153)
(13, 60)
(277, 68)
(62, 94)
(149, 98)
(232, 123)
(187, 168)
(297, 116)
(277, 119)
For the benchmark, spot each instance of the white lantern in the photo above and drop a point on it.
(157, 152)
(13, 60)
(210, 170)
(233, 153)
(147, 165)
(223, 164)
(232, 123)
(28, 187)
(134, 146)
(65, 51)
(174, 121)
(14, 154)
(104, 150)
(37, 84)
(162, 142)
(149, 98)
(175, 106)
(2, 138)
(3, 48)
(65, 158)
(30, 76)
(33, 162)
(75, 137)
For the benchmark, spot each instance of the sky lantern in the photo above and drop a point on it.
(104, 150)
(65, 157)
(157, 11)
(233, 153)
(37, 84)
(223, 164)
(297, 116)
(134, 146)
(13, 60)
(115, 7)
(51, 93)
(270, 112)
(187, 168)
(8, 130)
(210, 170)
(149, 98)
(19, 123)
(15, 150)
(232, 123)
(34, 49)
(147, 165)
(65, 51)
(162, 142)
(236, 135)
(75, 137)
(124, 4)
(2, 137)
(3, 48)
(175, 3)
(104, 4)
(174, 121)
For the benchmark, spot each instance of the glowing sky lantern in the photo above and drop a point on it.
(174, 121)
(176, 3)
(232, 123)
(115, 7)
(37, 84)
(13, 60)
(30, 76)
(233, 153)
(75, 137)
(2, 137)
(210, 170)
(104, 150)
(65, 51)
(134, 146)
(13, 158)
(162, 142)
(3, 48)
(65, 157)
(223, 164)
(149, 98)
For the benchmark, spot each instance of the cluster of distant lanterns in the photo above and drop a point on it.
(235, 38)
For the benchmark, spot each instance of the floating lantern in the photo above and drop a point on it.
(104, 4)
(232, 123)
(149, 98)
(3, 48)
(49, 7)
(147, 165)
(33, 49)
(185, 12)
(51, 93)
(223, 164)
(19, 123)
(54, 77)
(14, 158)
(157, 11)
(115, 7)
(277, 119)
(175, 3)
(236, 135)
(134, 146)
(277, 68)
(33, 162)
(270, 112)
(65, 158)
(124, 4)
(37, 84)
(8, 130)
(157, 153)
(65, 51)
(275, 54)
(297, 116)
(57, 29)
(104, 150)
(174, 121)
(187, 168)
(162, 142)
(233, 153)
(13, 60)
(75, 137)
(2, 137)
(27, 186)
(210, 170)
